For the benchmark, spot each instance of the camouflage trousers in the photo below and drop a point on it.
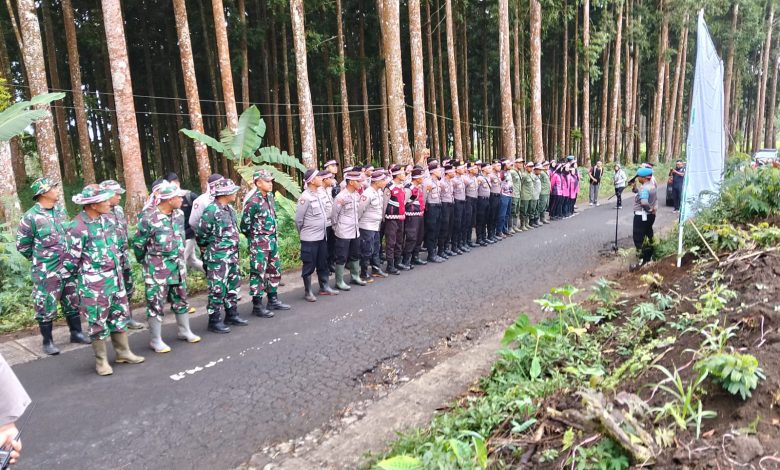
(156, 295)
(265, 268)
(53, 290)
(224, 281)
(103, 301)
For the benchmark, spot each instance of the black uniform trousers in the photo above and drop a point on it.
(483, 207)
(347, 249)
(330, 236)
(394, 238)
(469, 218)
(314, 256)
(369, 247)
(677, 195)
(445, 226)
(458, 216)
(495, 203)
(643, 236)
(432, 222)
(413, 229)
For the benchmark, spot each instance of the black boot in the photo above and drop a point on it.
(364, 274)
(232, 318)
(408, 261)
(48, 343)
(443, 254)
(276, 304)
(416, 260)
(400, 264)
(464, 247)
(325, 288)
(376, 271)
(434, 258)
(215, 323)
(76, 336)
(308, 294)
(258, 309)
(391, 269)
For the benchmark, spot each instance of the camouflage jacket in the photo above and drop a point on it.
(42, 237)
(159, 246)
(93, 254)
(258, 221)
(217, 232)
(527, 186)
(118, 223)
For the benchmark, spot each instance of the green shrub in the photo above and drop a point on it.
(737, 373)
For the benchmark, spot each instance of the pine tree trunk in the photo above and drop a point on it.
(654, 145)
(678, 120)
(346, 127)
(211, 66)
(123, 97)
(517, 91)
(383, 125)
(769, 133)
(677, 87)
(563, 124)
(244, 55)
(32, 53)
(759, 122)
(536, 80)
(453, 76)
(17, 158)
(431, 79)
(389, 17)
(225, 72)
(585, 155)
(191, 90)
(418, 82)
(523, 112)
(158, 163)
(635, 108)
(444, 138)
(729, 74)
(369, 150)
(464, 82)
(628, 67)
(287, 104)
(308, 136)
(61, 122)
(9, 196)
(613, 107)
(112, 136)
(509, 145)
(333, 128)
(85, 152)
(575, 89)
(602, 151)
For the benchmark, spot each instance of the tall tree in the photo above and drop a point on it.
(346, 127)
(85, 152)
(769, 133)
(431, 77)
(729, 73)
(564, 87)
(125, 108)
(759, 122)
(517, 90)
(453, 73)
(678, 83)
(418, 80)
(364, 86)
(287, 103)
(396, 109)
(32, 52)
(308, 136)
(509, 145)
(536, 80)
(191, 90)
(244, 49)
(585, 156)
(225, 71)
(9, 199)
(654, 144)
(613, 107)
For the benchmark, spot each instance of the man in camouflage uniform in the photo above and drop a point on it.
(544, 195)
(527, 195)
(217, 236)
(159, 246)
(95, 260)
(42, 239)
(119, 224)
(258, 224)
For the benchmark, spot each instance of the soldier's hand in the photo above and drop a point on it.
(8, 441)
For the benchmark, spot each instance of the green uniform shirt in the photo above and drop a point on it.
(516, 183)
(42, 238)
(159, 246)
(527, 188)
(544, 177)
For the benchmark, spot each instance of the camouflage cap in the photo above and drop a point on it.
(225, 187)
(263, 175)
(42, 185)
(113, 186)
(92, 194)
(169, 191)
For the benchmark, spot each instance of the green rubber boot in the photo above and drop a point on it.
(340, 284)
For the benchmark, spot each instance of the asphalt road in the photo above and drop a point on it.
(212, 404)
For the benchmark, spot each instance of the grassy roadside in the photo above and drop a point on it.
(667, 366)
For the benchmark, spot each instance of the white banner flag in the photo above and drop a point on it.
(706, 148)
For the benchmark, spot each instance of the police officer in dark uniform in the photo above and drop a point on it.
(458, 214)
(447, 208)
(395, 214)
(413, 225)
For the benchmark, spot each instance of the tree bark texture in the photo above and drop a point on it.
(418, 80)
(612, 132)
(729, 75)
(536, 80)
(225, 72)
(769, 132)
(305, 111)
(125, 108)
(509, 145)
(431, 79)
(346, 129)
(585, 155)
(396, 111)
(663, 40)
(453, 73)
(244, 55)
(759, 123)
